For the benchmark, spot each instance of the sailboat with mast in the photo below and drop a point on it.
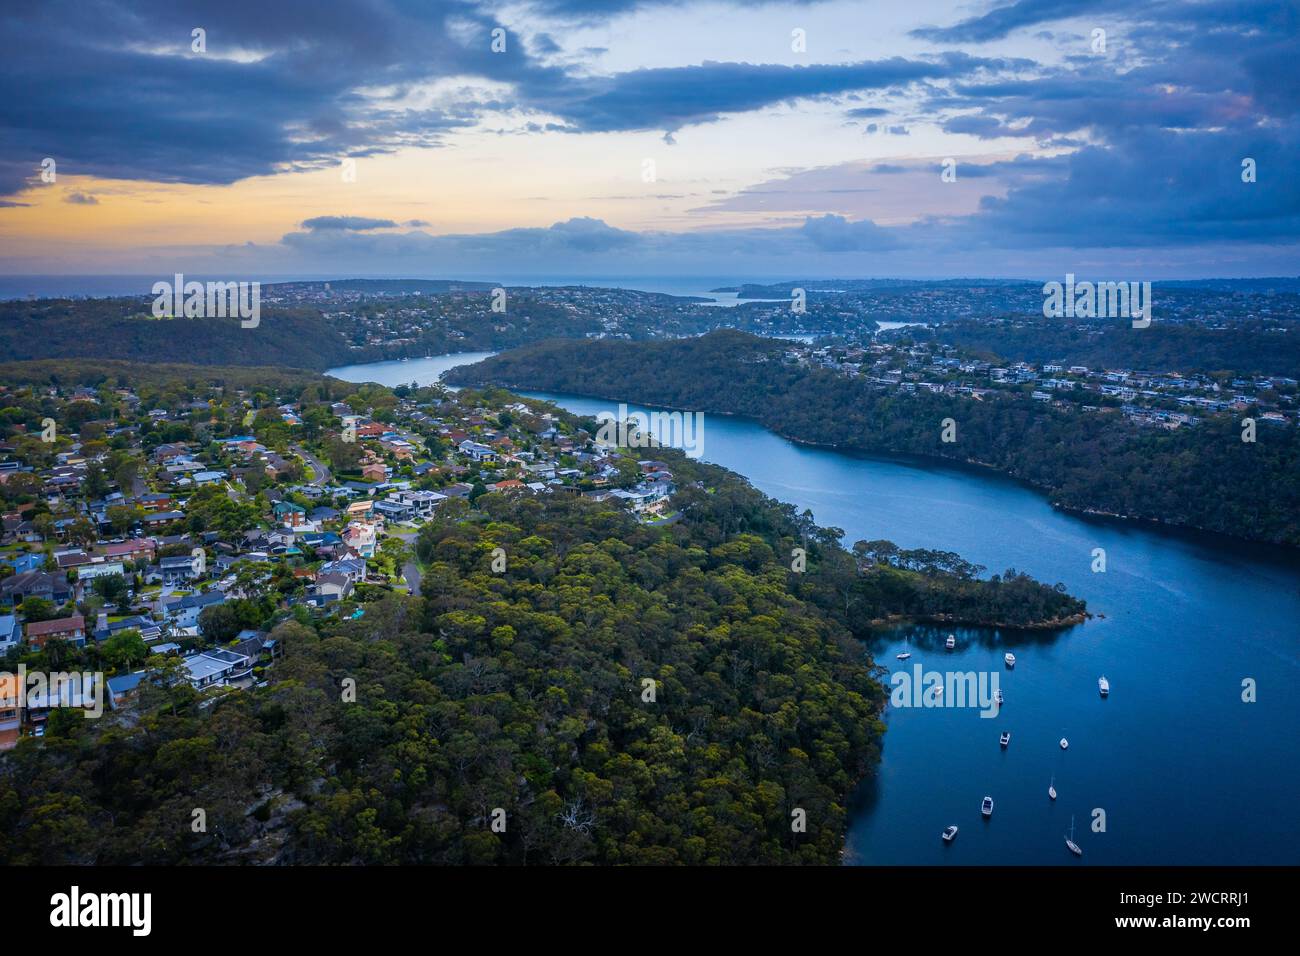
(1051, 788)
(1069, 841)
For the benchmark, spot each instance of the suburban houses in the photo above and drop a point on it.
(144, 535)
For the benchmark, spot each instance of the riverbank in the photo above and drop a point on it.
(1240, 532)
(1055, 624)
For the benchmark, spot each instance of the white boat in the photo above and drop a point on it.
(951, 642)
(1006, 738)
(1051, 789)
(903, 657)
(1010, 659)
(998, 697)
(986, 807)
(1065, 744)
(949, 833)
(1104, 686)
(1069, 841)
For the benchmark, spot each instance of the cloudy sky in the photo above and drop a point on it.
(650, 137)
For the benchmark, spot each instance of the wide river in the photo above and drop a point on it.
(1174, 767)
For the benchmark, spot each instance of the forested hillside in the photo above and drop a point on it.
(124, 329)
(115, 373)
(1204, 477)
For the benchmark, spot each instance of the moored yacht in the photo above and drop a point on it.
(986, 807)
(949, 832)
(1010, 659)
(1104, 686)
(902, 657)
(951, 642)
(1005, 739)
(1065, 744)
(1051, 788)
(1069, 841)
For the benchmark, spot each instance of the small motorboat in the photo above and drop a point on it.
(986, 807)
(902, 657)
(998, 697)
(1104, 686)
(1065, 744)
(1069, 841)
(951, 642)
(1005, 739)
(1010, 659)
(1051, 789)
(949, 833)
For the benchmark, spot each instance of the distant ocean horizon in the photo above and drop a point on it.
(108, 286)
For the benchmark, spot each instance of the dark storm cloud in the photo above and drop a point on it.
(672, 97)
(1159, 126)
(1155, 188)
(114, 89)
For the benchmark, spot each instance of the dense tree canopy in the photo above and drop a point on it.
(1204, 477)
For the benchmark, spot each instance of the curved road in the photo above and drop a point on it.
(318, 466)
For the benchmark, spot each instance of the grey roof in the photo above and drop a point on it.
(196, 600)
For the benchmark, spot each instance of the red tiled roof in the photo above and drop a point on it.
(59, 625)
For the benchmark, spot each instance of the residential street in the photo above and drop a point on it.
(322, 473)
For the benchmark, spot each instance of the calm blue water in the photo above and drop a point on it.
(421, 371)
(1185, 772)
